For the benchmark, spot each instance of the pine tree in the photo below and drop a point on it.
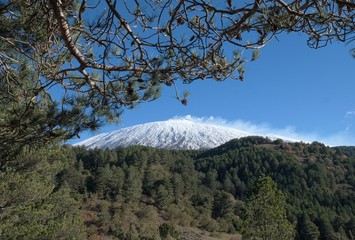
(265, 213)
(31, 205)
(163, 196)
(325, 228)
(132, 185)
(223, 205)
(307, 229)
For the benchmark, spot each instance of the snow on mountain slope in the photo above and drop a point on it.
(170, 134)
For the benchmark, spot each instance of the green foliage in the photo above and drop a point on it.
(350, 226)
(209, 189)
(30, 120)
(167, 231)
(325, 228)
(265, 213)
(133, 185)
(205, 189)
(163, 196)
(50, 46)
(31, 207)
(307, 229)
(255, 55)
(223, 205)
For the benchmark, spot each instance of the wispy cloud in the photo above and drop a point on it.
(288, 132)
(349, 114)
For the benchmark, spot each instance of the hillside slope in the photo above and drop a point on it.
(208, 189)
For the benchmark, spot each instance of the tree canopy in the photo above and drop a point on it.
(252, 186)
(101, 57)
(265, 213)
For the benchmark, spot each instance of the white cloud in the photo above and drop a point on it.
(349, 114)
(289, 132)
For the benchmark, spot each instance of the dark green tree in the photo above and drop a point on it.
(265, 213)
(132, 187)
(325, 228)
(307, 230)
(211, 179)
(31, 205)
(109, 181)
(178, 186)
(164, 196)
(350, 228)
(167, 231)
(223, 205)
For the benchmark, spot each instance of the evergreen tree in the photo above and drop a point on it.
(133, 185)
(223, 205)
(307, 230)
(325, 228)
(265, 213)
(350, 228)
(31, 205)
(163, 196)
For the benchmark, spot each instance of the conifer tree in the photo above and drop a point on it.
(31, 205)
(223, 205)
(307, 229)
(265, 213)
(325, 228)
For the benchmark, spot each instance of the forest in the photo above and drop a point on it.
(64, 72)
(146, 193)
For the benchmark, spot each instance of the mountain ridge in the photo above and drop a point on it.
(171, 134)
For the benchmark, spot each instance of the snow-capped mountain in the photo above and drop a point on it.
(170, 134)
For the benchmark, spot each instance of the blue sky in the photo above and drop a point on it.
(291, 90)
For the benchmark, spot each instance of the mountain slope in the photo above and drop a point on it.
(208, 189)
(170, 134)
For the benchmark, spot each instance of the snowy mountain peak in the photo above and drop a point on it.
(183, 133)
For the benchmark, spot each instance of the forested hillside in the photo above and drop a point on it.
(71, 66)
(146, 193)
